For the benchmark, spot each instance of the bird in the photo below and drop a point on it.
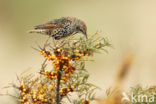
(61, 28)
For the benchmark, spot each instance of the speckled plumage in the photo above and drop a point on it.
(62, 27)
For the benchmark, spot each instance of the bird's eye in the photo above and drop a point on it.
(77, 28)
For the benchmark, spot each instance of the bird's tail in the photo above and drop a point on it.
(37, 31)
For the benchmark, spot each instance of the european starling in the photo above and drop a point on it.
(62, 27)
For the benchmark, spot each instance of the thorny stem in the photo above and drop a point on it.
(58, 84)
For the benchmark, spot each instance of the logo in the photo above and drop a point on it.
(137, 98)
(125, 97)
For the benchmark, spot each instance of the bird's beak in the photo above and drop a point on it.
(37, 31)
(86, 36)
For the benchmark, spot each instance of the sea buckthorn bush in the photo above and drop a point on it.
(66, 82)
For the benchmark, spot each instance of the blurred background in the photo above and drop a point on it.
(130, 25)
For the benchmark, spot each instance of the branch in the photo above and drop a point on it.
(58, 84)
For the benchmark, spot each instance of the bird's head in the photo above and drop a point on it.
(82, 28)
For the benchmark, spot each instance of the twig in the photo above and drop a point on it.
(8, 95)
(69, 99)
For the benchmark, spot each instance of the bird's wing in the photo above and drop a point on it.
(56, 23)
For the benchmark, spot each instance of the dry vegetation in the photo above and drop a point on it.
(114, 94)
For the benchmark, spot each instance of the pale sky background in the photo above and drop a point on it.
(130, 25)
